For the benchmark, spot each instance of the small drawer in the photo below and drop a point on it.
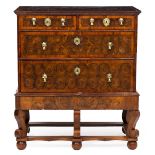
(77, 76)
(77, 44)
(47, 22)
(106, 22)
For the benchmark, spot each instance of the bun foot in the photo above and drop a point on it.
(76, 145)
(132, 145)
(21, 145)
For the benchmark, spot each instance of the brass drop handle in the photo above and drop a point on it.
(106, 22)
(44, 45)
(44, 77)
(121, 21)
(34, 21)
(63, 20)
(109, 77)
(92, 20)
(110, 45)
(77, 70)
(47, 22)
(76, 40)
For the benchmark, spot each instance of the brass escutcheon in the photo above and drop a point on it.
(77, 70)
(106, 22)
(47, 21)
(76, 40)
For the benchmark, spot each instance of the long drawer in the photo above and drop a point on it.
(77, 76)
(76, 44)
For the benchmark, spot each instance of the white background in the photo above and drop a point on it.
(145, 86)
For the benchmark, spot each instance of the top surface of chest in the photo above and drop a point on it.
(77, 10)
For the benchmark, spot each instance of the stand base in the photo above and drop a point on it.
(76, 144)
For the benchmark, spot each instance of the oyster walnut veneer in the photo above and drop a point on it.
(77, 58)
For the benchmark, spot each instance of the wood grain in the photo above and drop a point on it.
(92, 44)
(25, 22)
(128, 24)
(92, 78)
(39, 102)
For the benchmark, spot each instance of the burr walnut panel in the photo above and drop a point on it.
(91, 44)
(52, 22)
(115, 22)
(77, 76)
(71, 102)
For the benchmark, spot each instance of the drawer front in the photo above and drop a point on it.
(76, 44)
(77, 76)
(106, 22)
(47, 22)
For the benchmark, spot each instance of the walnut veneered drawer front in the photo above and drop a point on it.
(107, 22)
(47, 22)
(77, 44)
(77, 76)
